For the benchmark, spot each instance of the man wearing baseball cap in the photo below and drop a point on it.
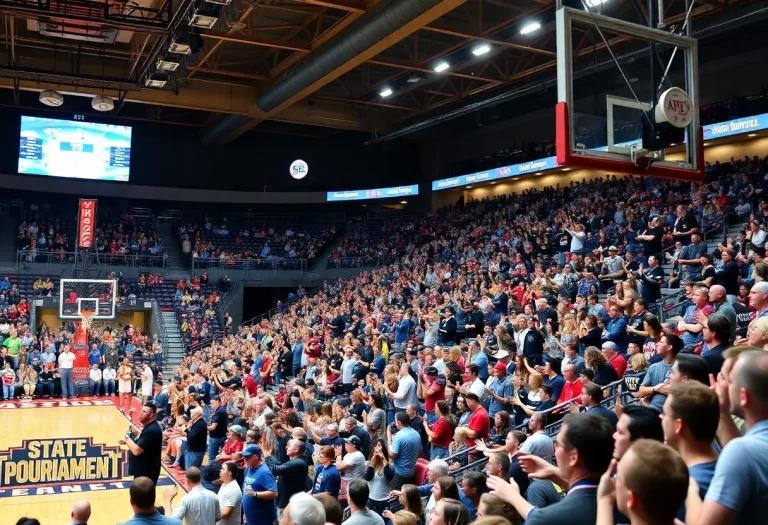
(500, 391)
(259, 488)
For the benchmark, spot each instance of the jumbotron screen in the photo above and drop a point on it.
(80, 150)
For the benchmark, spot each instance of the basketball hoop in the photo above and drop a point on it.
(86, 318)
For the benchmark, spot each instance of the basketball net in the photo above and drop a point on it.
(86, 318)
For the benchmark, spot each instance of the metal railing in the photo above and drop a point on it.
(25, 257)
(296, 218)
(360, 262)
(157, 313)
(609, 392)
(270, 264)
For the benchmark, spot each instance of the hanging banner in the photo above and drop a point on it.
(86, 223)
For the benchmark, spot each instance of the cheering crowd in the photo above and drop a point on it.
(511, 366)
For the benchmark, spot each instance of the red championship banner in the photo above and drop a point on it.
(86, 223)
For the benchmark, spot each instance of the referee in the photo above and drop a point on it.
(145, 446)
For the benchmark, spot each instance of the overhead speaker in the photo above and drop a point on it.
(102, 103)
(51, 98)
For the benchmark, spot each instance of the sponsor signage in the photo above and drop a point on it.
(299, 169)
(62, 460)
(736, 127)
(515, 170)
(711, 131)
(86, 223)
(380, 193)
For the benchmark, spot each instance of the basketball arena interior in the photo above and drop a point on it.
(443, 261)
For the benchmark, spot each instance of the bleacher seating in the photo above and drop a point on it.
(49, 232)
(256, 240)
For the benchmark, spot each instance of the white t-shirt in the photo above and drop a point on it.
(66, 360)
(230, 495)
(357, 467)
(478, 388)
(146, 381)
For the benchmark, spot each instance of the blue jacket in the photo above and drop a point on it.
(402, 328)
(617, 332)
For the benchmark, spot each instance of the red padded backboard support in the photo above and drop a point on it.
(565, 157)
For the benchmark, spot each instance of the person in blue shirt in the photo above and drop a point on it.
(500, 391)
(327, 477)
(480, 359)
(142, 494)
(553, 377)
(298, 350)
(259, 488)
(94, 355)
(379, 363)
(402, 329)
(690, 420)
(740, 483)
(404, 450)
(616, 330)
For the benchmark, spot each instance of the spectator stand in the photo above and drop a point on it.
(124, 239)
(381, 239)
(257, 241)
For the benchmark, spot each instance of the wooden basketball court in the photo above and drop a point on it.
(54, 452)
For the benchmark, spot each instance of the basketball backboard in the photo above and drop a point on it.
(621, 107)
(98, 296)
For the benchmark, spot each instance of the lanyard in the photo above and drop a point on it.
(585, 485)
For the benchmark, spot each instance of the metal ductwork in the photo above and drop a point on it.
(372, 27)
(731, 21)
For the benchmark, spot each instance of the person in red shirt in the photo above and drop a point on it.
(572, 388)
(616, 360)
(479, 424)
(250, 384)
(440, 433)
(432, 389)
(234, 444)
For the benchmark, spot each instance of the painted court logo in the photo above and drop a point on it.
(55, 466)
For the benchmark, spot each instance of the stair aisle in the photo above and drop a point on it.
(173, 345)
(351, 227)
(176, 263)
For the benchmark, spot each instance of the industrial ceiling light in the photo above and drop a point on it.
(203, 21)
(103, 103)
(481, 50)
(180, 46)
(594, 3)
(442, 66)
(413, 78)
(167, 65)
(186, 43)
(51, 98)
(158, 79)
(530, 28)
(385, 92)
(205, 16)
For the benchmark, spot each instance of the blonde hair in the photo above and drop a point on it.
(536, 381)
(760, 325)
(493, 520)
(495, 507)
(404, 517)
(638, 362)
